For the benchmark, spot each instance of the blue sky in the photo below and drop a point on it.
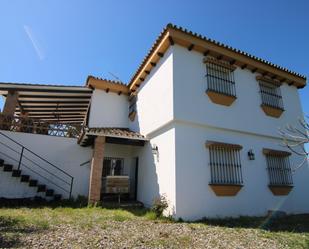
(62, 42)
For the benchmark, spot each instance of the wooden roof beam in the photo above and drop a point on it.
(191, 47)
(160, 54)
(184, 39)
(107, 85)
(254, 70)
(171, 40)
(232, 62)
(243, 66)
(162, 46)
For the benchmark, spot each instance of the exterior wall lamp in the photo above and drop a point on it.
(154, 149)
(251, 155)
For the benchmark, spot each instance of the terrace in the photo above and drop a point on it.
(44, 109)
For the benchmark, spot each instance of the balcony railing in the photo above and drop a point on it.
(36, 126)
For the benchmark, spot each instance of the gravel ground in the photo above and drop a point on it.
(143, 234)
(53, 230)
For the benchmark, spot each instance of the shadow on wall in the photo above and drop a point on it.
(148, 186)
(149, 162)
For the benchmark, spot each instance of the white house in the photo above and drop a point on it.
(198, 122)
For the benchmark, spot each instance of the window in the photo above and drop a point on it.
(271, 95)
(225, 168)
(220, 77)
(132, 107)
(272, 103)
(279, 171)
(112, 167)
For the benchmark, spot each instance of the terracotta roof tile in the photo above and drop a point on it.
(107, 80)
(115, 132)
(178, 28)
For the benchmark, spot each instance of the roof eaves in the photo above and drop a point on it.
(171, 26)
(179, 28)
(103, 79)
(107, 85)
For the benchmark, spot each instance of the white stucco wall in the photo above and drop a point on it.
(245, 114)
(108, 109)
(65, 153)
(155, 97)
(154, 115)
(195, 199)
(157, 171)
(197, 120)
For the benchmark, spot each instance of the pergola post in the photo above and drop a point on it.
(95, 182)
(10, 103)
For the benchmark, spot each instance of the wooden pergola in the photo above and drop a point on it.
(50, 103)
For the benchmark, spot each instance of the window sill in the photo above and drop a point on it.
(272, 111)
(225, 189)
(280, 189)
(132, 115)
(220, 98)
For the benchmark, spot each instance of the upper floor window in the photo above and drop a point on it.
(271, 97)
(220, 81)
(132, 107)
(225, 168)
(279, 171)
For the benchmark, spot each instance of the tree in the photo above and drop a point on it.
(295, 137)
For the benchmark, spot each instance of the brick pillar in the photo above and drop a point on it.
(10, 103)
(95, 182)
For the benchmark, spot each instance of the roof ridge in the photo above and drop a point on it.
(194, 34)
(108, 80)
(177, 27)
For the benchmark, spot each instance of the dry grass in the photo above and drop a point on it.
(69, 227)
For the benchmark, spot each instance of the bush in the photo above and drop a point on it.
(159, 205)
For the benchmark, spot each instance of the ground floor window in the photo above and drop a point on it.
(225, 163)
(278, 166)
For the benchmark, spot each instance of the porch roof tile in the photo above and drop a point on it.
(110, 132)
(115, 132)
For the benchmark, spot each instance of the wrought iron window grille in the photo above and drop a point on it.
(220, 79)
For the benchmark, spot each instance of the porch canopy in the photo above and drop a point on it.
(49, 103)
(98, 137)
(112, 135)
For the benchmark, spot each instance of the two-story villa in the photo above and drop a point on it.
(198, 122)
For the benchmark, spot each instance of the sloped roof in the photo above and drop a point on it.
(115, 132)
(110, 132)
(107, 85)
(172, 34)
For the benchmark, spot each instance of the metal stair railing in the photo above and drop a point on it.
(35, 162)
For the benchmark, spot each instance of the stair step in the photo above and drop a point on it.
(16, 173)
(33, 183)
(41, 188)
(57, 197)
(49, 192)
(25, 178)
(1, 162)
(8, 168)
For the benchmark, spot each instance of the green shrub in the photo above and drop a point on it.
(159, 205)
